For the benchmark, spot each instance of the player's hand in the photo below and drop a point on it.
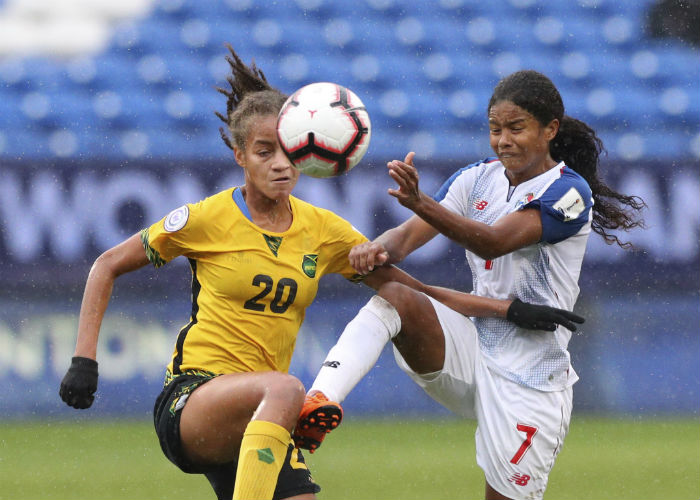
(80, 383)
(535, 317)
(366, 256)
(406, 176)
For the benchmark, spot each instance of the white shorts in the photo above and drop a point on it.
(519, 431)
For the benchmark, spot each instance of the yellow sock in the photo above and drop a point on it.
(263, 450)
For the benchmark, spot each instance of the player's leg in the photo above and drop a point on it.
(397, 313)
(451, 383)
(355, 353)
(247, 417)
(491, 494)
(294, 481)
(421, 340)
(519, 435)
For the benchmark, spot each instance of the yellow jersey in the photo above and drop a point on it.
(250, 287)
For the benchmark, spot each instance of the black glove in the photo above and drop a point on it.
(535, 317)
(80, 383)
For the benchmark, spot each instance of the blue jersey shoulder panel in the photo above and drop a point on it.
(564, 206)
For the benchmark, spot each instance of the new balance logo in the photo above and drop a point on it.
(332, 364)
(480, 204)
(519, 479)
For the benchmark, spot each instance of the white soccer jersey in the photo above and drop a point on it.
(546, 273)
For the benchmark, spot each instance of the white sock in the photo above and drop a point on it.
(357, 349)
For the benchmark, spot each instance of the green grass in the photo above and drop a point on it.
(364, 459)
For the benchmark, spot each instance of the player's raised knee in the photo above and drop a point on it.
(289, 389)
(398, 295)
(393, 292)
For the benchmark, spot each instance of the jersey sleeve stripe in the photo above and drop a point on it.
(151, 253)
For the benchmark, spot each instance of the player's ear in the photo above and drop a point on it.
(551, 129)
(239, 155)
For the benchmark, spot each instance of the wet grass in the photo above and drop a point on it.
(603, 458)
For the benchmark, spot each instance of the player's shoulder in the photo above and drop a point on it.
(487, 164)
(569, 196)
(570, 179)
(471, 171)
(199, 213)
(209, 206)
(320, 220)
(312, 211)
(222, 199)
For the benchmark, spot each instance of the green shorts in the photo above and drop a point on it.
(292, 481)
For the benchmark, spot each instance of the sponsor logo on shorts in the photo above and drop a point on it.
(519, 479)
(180, 402)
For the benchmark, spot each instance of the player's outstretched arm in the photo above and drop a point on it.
(392, 246)
(80, 382)
(523, 314)
(511, 232)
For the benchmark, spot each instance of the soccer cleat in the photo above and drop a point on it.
(318, 417)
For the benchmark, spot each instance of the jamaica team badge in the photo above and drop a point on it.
(308, 264)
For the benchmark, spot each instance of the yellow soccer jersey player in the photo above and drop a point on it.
(250, 287)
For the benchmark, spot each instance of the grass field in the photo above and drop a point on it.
(364, 459)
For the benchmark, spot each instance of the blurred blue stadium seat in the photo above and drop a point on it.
(420, 67)
(11, 115)
(114, 71)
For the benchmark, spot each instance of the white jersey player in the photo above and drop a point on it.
(523, 218)
(545, 273)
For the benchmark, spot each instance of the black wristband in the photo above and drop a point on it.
(82, 363)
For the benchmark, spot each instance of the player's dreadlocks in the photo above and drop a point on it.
(250, 96)
(576, 144)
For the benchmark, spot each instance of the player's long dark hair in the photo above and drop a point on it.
(250, 96)
(577, 145)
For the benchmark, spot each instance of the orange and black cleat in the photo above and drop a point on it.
(318, 417)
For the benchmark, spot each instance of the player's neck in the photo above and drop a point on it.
(266, 213)
(519, 177)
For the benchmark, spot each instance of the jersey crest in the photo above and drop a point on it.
(524, 201)
(308, 265)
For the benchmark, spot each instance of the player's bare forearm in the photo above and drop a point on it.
(98, 290)
(475, 236)
(384, 274)
(469, 304)
(405, 238)
(127, 256)
(511, 232)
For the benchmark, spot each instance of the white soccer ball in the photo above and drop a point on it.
(324, 129)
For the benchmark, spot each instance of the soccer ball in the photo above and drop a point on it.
(324, 129)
